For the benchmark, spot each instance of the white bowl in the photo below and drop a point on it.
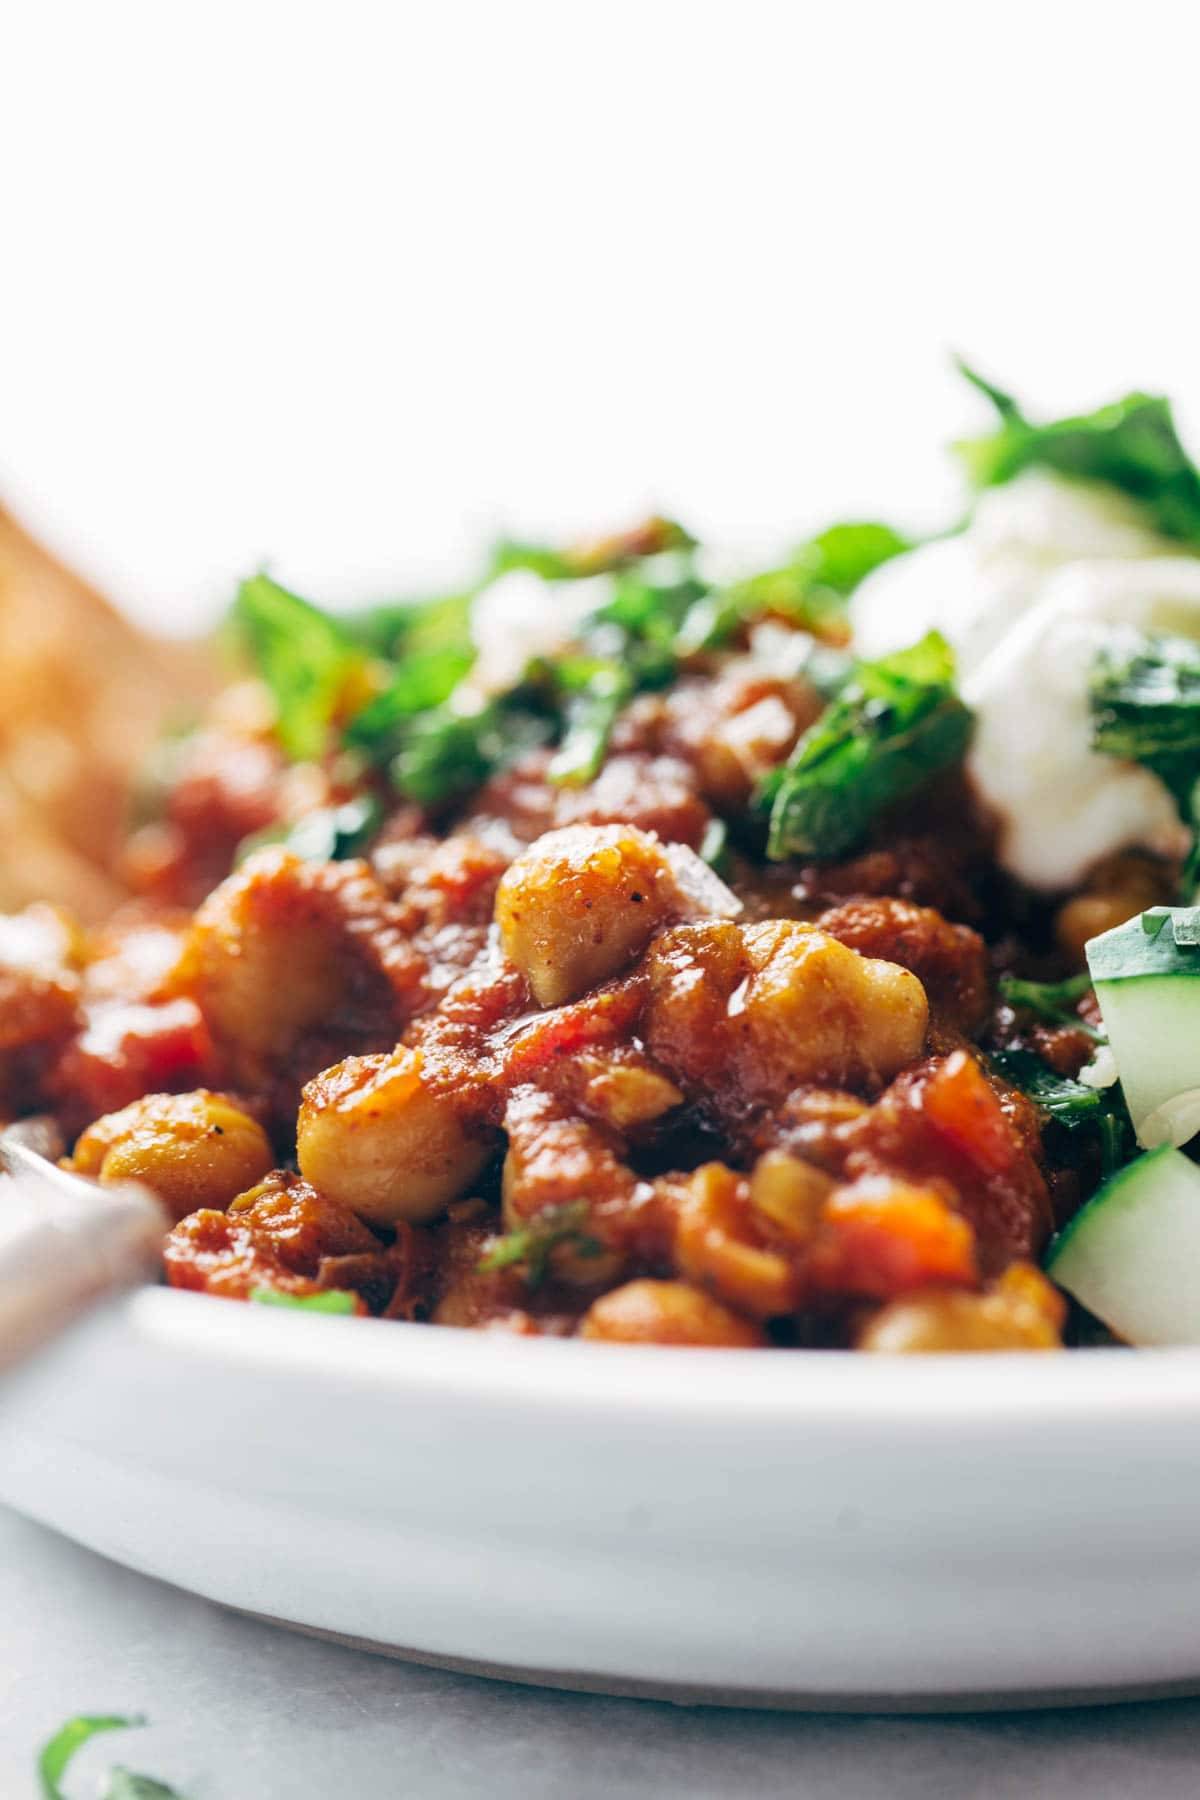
(796, 1528)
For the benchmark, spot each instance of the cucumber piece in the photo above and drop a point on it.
(1148, 988)
(1132, 1255)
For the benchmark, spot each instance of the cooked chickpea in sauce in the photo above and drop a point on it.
(677, 989)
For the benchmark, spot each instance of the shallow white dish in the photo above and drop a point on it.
(783, 1528)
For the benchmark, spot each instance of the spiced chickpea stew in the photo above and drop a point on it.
(624, 949)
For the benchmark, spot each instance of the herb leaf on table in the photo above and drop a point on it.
(121, 1784)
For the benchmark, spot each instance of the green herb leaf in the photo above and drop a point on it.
(330, 834)
(71, 1737)
(896, 722)
(843, 555)
(1144, 693)
(445, 754)
(1053, 1001)
(411, 627)
(1132, 445)
(1049, 998)
(304, 657)
(589, 717)
(1072, 1104)
(423, 681)
(714, 849)
(333, 1300)
(532, 1246)
(808, 591)
(598, 556)
(648, 613)
(124, 1784)
(1004, 403)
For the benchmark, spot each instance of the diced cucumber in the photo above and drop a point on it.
(1132, 1255)
(1148, 990)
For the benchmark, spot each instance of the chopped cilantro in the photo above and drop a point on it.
(895, 723)
(303, 656)
(1132, 445)
(1072, 1104)
(1144, 693)
(444, 754)
(423, 680)
(330, 834)
(809, 591)
(411, 627)
(714, 849)
(332, 1300)
(598, 556)
(1053, 1001)
(533, 1245)
(121, 1784)
(125, 1784)
(589, 715)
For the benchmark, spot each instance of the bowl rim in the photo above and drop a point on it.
(972, 1394)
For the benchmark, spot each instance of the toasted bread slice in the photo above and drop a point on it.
(83, 694)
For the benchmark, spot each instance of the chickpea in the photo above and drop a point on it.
(377, 1135)
(719, 1246)
(762, 1009)
(950, 960)
(580, 904)
(1117, 888)
(273, 950)
(1023, 1312)
(666, 1312)
(741, 747)
(626, 1093)
(846, 1008)
(735, 728)
(789, 1194)
(1088, 916)
(195, 1150)
(260, 972)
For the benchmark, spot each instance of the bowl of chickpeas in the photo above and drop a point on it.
(655, 1111)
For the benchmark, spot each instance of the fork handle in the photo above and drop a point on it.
(65, 1244)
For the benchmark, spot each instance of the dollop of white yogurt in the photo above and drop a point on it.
(1047, 574)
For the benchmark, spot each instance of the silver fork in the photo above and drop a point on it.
(65, 1243)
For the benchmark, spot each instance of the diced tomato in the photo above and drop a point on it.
(882, 1237)
(946, 1125)
(127, 1049)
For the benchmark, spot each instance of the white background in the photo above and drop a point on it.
(349, 286)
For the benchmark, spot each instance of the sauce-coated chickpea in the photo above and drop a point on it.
(666, 1312)
(719, 1246)
(580, 904)
(376, 1135)
(1023, 1312)
(763, 1009)
(195, 1150)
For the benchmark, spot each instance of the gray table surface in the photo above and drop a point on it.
(242, 1711)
